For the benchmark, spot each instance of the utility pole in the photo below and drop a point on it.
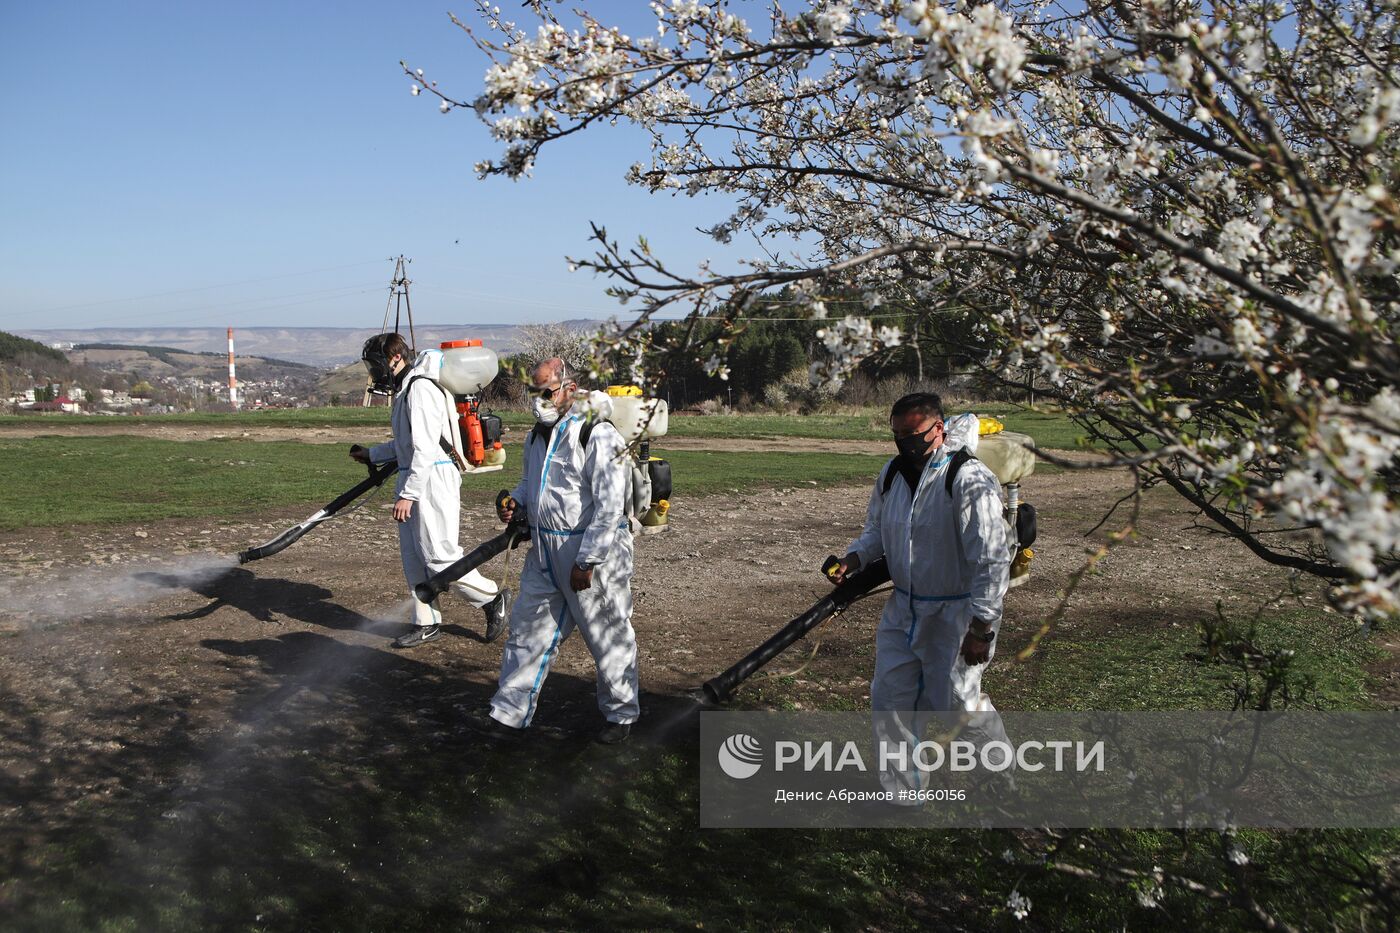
(232, 379)
(399, 301)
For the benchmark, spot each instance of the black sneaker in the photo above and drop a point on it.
(615, 733)
(417, 636)
(497, 731)
(497, 615)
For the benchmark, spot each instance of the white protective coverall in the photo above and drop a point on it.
(422, 414)
(576, 503)
(949, 560)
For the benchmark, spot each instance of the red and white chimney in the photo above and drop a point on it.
(232, 379)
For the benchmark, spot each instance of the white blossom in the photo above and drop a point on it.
(906, 156)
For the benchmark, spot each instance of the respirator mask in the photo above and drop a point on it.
(913, 448)
(376, 360)
(545, 412)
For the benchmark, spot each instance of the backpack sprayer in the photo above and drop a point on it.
(1011, 458)
(467, 369)
(639, 419)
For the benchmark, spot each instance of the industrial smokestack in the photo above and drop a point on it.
(232, 379)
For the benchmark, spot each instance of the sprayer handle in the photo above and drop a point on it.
(505, 502)
(829, 566)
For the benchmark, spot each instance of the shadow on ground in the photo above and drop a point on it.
(342, 786)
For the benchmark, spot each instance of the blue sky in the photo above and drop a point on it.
(257, 163)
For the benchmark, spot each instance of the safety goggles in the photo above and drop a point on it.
(545, 392)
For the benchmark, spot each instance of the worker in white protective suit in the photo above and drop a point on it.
(427, 506)
(578, 574)
(949, 558)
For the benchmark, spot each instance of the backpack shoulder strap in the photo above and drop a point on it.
(890, 474)
(448, 447)
(586, 432)
(429, 379)
(960, 456)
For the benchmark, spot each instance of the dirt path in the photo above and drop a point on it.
(731, 570)
(368, 434)
(329, 434)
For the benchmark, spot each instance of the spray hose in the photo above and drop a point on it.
(377, 475)
(855, 587)
(517, 531)
(817, 643)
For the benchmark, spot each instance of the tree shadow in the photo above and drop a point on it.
(347, 787)
(263, 598)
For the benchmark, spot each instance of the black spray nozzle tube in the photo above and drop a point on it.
(377, 475)
(719, 689)
(515, 532)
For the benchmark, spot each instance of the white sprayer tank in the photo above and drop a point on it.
(636, 416)
(1011, 456)
(467, 367)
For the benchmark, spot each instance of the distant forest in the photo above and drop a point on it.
(12, 346)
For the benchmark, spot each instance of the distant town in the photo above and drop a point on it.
(146, 399)
(65, 378)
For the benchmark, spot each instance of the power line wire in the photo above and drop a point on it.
(509, 299)
(341, 291)
(205, 288)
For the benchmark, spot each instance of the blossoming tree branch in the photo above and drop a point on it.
(1181, 217)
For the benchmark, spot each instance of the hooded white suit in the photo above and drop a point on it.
(949, 559)
(422, 414)
(576, 503)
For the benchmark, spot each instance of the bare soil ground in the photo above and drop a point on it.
(53, 427)
(730, 571)
(139, 672)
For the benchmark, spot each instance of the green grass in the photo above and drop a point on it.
(1137, 664)
(1050, 429)
(1154, 666)
(135, 479)
(62, 481)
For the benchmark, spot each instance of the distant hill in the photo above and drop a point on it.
(345, 384)
(153, 362)
(317, 346)
(12, 346)
(166, 354)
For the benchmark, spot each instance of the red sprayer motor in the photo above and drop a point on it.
(467, 369)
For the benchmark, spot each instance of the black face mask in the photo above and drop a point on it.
(913, 448)
(383, 381)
